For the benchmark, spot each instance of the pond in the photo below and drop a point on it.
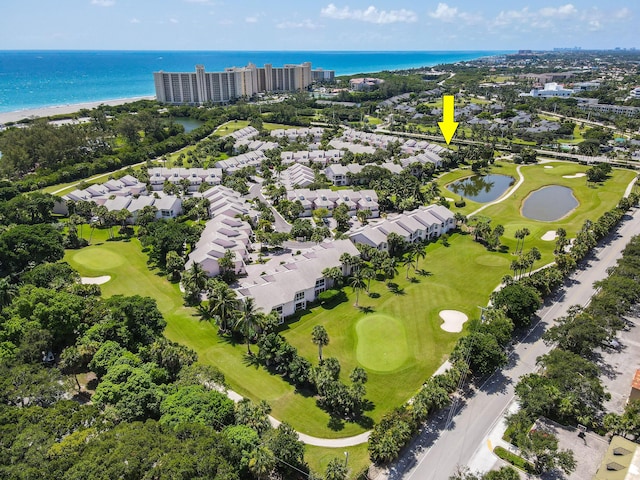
(189, 124)
(482, 188)
(549, 203)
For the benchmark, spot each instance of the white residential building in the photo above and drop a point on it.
(196, 176)
(223, 232)
(421, 224)
(288, 283)
(249, 159)
(550, 90)
(330, 199)
(200, 87)
(297, 176)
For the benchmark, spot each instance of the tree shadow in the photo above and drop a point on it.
(250, 360)
(424, 273)
(366, 309)
(395, 288)
(335, 423)
(374, 295)
(414, 280)
(365, 422)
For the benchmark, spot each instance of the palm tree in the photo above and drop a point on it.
(336, 470)
(194, 281)
(223, 302)
(519, 235)
(248, 321)
(262, 462)
(389, 268)
(525, 233)
(418, 252)
(357, 283)
(320, 337)
(368, 274)
(534, 255)
(408, 261)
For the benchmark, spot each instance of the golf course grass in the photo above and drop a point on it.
(394, 334)
(374, 355)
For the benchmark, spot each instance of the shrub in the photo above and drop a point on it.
(460, 203)
(513, 459)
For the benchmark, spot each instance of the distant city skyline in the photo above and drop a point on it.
(317, 25)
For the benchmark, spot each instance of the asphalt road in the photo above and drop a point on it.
(440, 450)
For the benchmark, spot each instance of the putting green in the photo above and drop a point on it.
(382, 343)
(98, 258)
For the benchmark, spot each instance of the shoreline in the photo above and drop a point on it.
(17, 115)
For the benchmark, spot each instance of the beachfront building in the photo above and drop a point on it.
(289, 282)
(200, 87)
(360, 84)
(421, 224)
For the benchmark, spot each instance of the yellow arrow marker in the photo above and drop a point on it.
(448, 126)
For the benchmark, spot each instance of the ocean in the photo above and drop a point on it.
(35, 79)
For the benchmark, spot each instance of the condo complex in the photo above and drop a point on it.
(200, 87)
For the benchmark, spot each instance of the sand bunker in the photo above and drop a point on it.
(549, 236)
(453, 320)
(95, 280)
(548, 166)
(577, 175)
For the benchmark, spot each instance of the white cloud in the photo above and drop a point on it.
(371, 14)
(444, 13)
(623, 13)
(225, 21)
(251, 19)
(134, 20)
(563, 11)
(307, 24)
(173, 20)
(103, 3)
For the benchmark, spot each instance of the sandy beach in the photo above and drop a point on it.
(71, 108)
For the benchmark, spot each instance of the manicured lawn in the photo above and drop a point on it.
(318, 458)
(593, 200)
(230, 127)
(397, 337)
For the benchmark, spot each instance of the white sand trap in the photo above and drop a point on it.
(449, 199)
(453, 320)
(95, 280)
(549, 236)
(548, 166)
(577, 175)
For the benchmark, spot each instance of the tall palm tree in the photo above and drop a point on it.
(389, 268)
(248, 321)
(368, 274)
(262, 462)
(194, 281)
(357, 283)
(320, 337)
(418, 252)
(534, 255)
(519, 235)
(525, 233)
(409, 261)
(223, 303)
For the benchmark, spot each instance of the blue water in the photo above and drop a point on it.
(549, 203)
(482, 188)
(34, 79)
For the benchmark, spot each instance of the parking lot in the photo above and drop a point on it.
(619, 366)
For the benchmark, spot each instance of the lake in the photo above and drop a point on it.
(189, 124)
(549, 203)
(482, 188)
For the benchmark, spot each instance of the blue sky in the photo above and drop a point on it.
(317, 25)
